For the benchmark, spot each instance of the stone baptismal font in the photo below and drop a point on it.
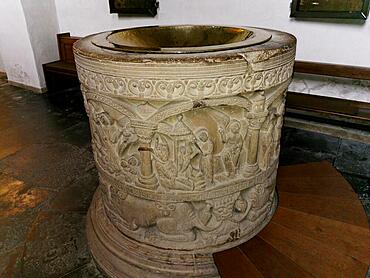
(185, 124)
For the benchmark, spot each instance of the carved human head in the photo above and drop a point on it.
(234, 126)
(202, 134)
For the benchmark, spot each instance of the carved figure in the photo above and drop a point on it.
(205, 146)
(233, 143)
(123, 135)
(185, 157)
(267, 148)
(131, 167)
(277, 130)
(165, 167)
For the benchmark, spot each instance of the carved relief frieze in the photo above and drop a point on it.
(184, 89)
(188, 162)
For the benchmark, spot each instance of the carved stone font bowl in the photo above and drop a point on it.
(185, 124)
(182, 39)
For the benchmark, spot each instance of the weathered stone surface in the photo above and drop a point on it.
(87, 271)
(10, 263)
(56, 245)
(16, 197)
(77, 196)
(354, 157)
(293, 155)
(13, 231)
(28, 119)
(78, 135)
(366, 204)
(42, 165)
(19, 206)
(311, 141)
(360, 184)
(186, 146)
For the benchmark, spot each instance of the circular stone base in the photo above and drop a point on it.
(120, 256)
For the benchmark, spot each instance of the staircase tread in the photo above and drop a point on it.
(345, 238)
(233, 263)
(320, 228)
(275, 264)
(344, 210)
(310, 254)
(314, 169)
(322, 186)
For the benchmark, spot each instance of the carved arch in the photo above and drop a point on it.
(120, 107)
(174, 109)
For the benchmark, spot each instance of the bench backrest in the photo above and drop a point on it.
(65, 46)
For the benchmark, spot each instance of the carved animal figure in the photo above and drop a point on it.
(176, 222)
(260, 197)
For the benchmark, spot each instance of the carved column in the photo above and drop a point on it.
(177, 143)
(256, 116)
(145, 134)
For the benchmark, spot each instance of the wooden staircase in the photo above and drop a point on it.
(320, 229)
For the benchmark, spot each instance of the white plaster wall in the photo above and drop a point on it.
(332, 41)
(15, 45)
(2, 67)
(42, 26)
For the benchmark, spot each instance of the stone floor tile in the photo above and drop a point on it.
(16, 197)
(361, 185)
(19, 206)
(56, 245)
(290, 155)
(13, 231)
(90, 270)
(310, 141)
(51, 166)
(11, 263)
(78, 135)
(366, 204)
(78, 195)
(353, 158)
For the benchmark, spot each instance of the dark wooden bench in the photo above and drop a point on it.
(62, 75)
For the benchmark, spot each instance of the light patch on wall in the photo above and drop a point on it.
(17, 73)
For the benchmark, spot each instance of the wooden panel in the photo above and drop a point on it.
(65, 45)
(61, 67)
(233, 263)
(309, 170)
(332, 70)
(312, 256)
(344, 210)
(270, 262)
(348, 239)
(320, 186)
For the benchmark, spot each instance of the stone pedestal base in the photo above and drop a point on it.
(120, 256)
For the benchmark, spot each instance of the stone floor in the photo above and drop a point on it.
(47, 178)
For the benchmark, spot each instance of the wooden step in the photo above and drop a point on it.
(271, 262)
(320, 229)
(345, 238)
(233, 263)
